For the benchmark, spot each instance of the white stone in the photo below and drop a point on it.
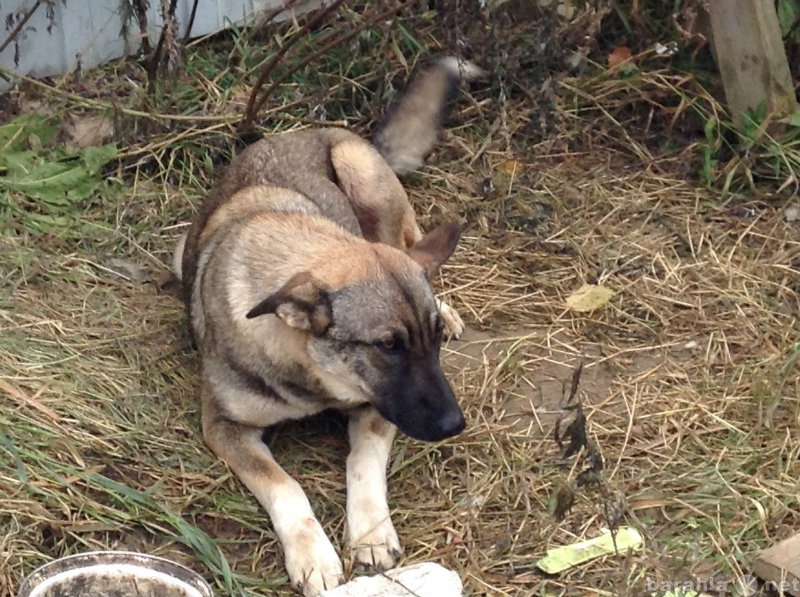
(421, 580)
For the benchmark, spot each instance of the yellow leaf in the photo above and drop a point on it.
(510, 167)
(589, 297)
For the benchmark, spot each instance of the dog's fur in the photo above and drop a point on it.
(306, 279)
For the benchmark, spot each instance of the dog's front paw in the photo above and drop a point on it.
(375, 544)
(453, 324)
(311, 561)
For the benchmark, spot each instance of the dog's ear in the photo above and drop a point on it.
(433, 249)
(302, 303)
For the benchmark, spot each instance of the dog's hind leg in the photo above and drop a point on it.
(311, 560)
(370, 531)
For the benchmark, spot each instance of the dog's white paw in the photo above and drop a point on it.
(311, 561)
(453, 324)
(374, 543)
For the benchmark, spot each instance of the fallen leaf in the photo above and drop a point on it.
(589, 297)
(87, 131)
(559, 559)
(618, 56)
(564, 500)
(510, 167)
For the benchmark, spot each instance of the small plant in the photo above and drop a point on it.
(42, 182)
(762, 152)
(573, 439)
(710, 150)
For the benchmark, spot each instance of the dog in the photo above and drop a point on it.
(307, 284)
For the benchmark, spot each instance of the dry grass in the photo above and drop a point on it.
(690, 379)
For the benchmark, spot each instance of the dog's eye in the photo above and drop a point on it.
(393, 344)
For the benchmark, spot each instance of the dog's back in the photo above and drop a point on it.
(298, 160)
(351, 181)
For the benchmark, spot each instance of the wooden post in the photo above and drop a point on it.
(751, 57)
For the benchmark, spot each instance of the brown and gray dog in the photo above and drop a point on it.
(307, 282)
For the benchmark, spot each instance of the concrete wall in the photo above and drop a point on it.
(94, 29)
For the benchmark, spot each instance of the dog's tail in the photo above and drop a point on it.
(412, 125)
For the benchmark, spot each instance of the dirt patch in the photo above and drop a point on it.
(527, 374)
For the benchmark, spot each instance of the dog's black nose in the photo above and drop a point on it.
(452, 423)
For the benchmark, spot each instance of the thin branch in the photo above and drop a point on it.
(311, 24)
(190, 24)
(155, 60)
(254, 107)
(20, 25)
(141, 17)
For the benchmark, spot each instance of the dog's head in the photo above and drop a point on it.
(374, 331)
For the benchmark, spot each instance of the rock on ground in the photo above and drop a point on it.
(420, 580)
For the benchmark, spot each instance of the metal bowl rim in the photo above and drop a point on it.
(89, 559)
